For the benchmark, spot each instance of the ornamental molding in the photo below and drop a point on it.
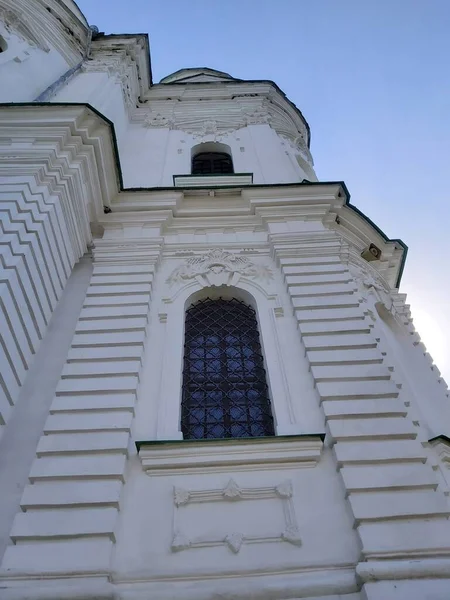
(373, 289)
(293, 451)
(209, 130)
(126, 62)
(121, 69)
(299, 145)
(115, 251)
(218, 267)
(218, 534)
(60, 143)
(259, 115)
(441, 446)
(37, 25)
(22, 27)
(157, 121)
(212, 118)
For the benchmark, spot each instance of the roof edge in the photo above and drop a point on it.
(108, 122)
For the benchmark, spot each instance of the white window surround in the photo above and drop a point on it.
(160, 458)
(234, 179)
(172, 314)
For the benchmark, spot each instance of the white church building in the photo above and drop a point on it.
(210, 384)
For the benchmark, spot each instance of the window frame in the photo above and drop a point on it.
(170, 341)
(213, 159)
(223, 386)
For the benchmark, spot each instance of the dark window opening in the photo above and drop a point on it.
(212, 163)
(225, 393)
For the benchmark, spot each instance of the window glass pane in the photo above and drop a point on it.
(225, 391)
(212, 163)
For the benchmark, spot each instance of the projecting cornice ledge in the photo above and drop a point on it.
(78, 142)
(204, 456)
(68, 148)
(65, 138)
(441, 443)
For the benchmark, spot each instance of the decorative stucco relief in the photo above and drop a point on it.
(218, 267)
(257, 116)
(21, 26)
(218, 122)
(157, 121)
(209, 129)
(299, 145)
(216, 534)
(373, 289)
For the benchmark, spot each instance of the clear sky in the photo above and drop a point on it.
(372, 78)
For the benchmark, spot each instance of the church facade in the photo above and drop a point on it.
(211, 386)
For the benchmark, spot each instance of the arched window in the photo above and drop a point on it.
(225, 393)
(212, 163)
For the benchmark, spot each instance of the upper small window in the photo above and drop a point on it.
(212, 163)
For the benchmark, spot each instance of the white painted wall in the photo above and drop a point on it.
(151, 157)
(18, 444)
(95, 518)
(26, 71)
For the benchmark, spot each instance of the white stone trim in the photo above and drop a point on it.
(243, 278)
(234, 539)
(404, 569)
(286, 452)
(212, 180)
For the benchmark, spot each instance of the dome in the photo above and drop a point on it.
(197, 75)
(74, 9)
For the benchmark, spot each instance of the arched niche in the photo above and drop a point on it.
(265, 306)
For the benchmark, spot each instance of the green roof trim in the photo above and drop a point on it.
(178, 189)
(246, 440)
(442, 437)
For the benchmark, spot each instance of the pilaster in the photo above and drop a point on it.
(391, 488)
(71, 504)
(48, 198)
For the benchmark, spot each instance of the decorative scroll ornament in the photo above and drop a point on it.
(180, 496)
(232, 491)
(257, 116)
(209, 127)
(211, 130)
(371, 285)
(260, 531)
(157, 121)
(299, 145)
(284, 490)
(234, 541)
(218, 261)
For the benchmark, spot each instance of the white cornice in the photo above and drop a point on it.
(127, 59)
(230, 106)
(243, 455)
(69, 150)
(256, 206)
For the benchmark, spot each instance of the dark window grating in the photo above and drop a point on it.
(225, 393)
(212, 163)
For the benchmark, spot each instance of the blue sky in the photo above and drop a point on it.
(371, 77)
